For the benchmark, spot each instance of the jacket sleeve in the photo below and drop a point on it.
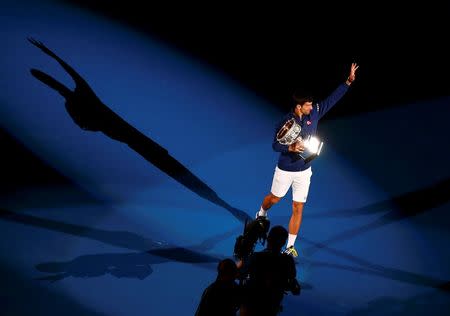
(326, 104)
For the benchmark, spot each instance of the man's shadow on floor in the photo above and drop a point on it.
(147, 252)
(132, 264)
(91, 114)
(124, 265)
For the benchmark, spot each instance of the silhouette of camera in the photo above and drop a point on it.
(254, 231)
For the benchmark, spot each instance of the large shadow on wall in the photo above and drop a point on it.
(91, 114)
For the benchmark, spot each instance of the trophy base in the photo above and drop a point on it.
(309, 158)
(312, 150)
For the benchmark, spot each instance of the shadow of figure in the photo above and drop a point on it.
(91, 114)
(129, 265)
(151, 251)
(121, 265)
(139, 266)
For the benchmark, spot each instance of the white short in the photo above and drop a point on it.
(299, 180)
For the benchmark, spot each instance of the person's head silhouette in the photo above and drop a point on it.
(277, 238)
(227, 270)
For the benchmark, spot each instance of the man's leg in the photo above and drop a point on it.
(281, 183)
(267, 203)
(295, 222)
(300, 190)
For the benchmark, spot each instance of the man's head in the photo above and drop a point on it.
(227, 270)
(303, 104)
(277, 238)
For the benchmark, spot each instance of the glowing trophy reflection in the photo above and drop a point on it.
(289, 133)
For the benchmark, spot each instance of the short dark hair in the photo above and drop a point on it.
(301, 97)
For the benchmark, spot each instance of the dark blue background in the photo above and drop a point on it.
(91, 228)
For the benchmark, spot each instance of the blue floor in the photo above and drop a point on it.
(124, 238)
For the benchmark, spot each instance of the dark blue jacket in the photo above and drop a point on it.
(289, 161)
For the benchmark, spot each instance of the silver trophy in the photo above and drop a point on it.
(289, 133)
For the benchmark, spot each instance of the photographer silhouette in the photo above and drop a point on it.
(270, 274)
(222, 297)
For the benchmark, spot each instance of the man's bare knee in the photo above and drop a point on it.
(297, 207)
(274, 199)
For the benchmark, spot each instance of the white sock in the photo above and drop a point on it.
(291, 240)
(262, 212)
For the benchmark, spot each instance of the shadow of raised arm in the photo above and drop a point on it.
(90, 113)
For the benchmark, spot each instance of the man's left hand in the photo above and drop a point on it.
(351, 76)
